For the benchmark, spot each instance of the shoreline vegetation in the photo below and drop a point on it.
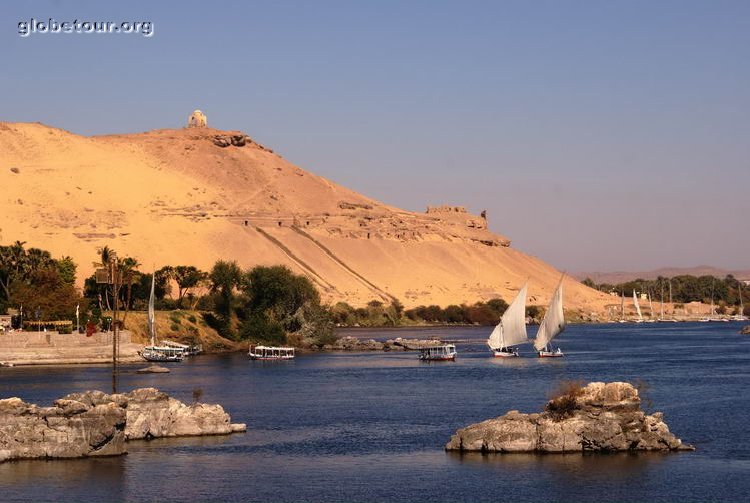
(228, 308)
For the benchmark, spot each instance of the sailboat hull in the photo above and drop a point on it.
(551, 354)
(505, 354)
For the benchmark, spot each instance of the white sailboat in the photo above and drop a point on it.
(622, 308)
(741, 315)
(650, 309)
(511, 331)
(154, 353)
(637, 308)
(552, 325)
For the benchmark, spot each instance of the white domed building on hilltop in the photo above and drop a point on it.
(197, 119)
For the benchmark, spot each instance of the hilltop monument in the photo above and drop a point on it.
(197, 119)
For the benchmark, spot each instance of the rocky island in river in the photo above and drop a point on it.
(96, 424)
(596, 418)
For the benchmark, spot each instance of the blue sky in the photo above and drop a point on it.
(599, 135)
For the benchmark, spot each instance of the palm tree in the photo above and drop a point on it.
(106, 254)
(128, 269)
(18, 264)
(224, 278)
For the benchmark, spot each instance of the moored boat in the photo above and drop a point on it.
(444, 352)
(270, 353)
(187, 349)
(161, 354)
(154, 352)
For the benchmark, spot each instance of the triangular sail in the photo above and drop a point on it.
(511, 330)
(650, 305)
(637, 306)
(661, 314)
(554, 320)
(151, 313)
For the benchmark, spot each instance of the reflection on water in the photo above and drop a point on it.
(583, 468)
(372, 426)
(60, 480)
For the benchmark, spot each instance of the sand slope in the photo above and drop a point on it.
(192, 196)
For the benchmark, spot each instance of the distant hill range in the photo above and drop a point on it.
(192, 196)
(616, 277)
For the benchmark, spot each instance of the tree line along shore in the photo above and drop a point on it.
(228, 307)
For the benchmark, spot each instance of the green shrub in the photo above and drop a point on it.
(175, 327)
(192, 318)
(260, 329)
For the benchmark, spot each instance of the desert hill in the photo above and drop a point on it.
(194, 195)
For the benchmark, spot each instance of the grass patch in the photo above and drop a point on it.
(564, 399)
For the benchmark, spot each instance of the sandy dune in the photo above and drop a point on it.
(192, 196)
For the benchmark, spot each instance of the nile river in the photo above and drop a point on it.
(356, 427)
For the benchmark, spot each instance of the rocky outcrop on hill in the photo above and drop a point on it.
(93, 423)
(597, 417)
(350, 343)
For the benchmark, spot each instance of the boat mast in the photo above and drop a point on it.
(670, 295)
(151, 312)
(622, 304)
(650, 304)
(661, 298)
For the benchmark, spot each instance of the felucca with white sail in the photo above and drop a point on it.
(511, 331)
(637, 308)
(552, 325)
(154, 353)
(741, 315)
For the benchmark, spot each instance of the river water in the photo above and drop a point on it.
(371, 426)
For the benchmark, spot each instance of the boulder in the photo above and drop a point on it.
(597, 417)
(153, 369)
(745, 330)
(413, 344)
(154, 414)
(349, 343)
(69, 429)
(93, 423)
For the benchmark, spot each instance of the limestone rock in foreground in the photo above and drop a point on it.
(598, 417)
(68, 429)
(153, 414)
(93, 423)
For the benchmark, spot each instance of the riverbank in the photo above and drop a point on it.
(52, 348)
